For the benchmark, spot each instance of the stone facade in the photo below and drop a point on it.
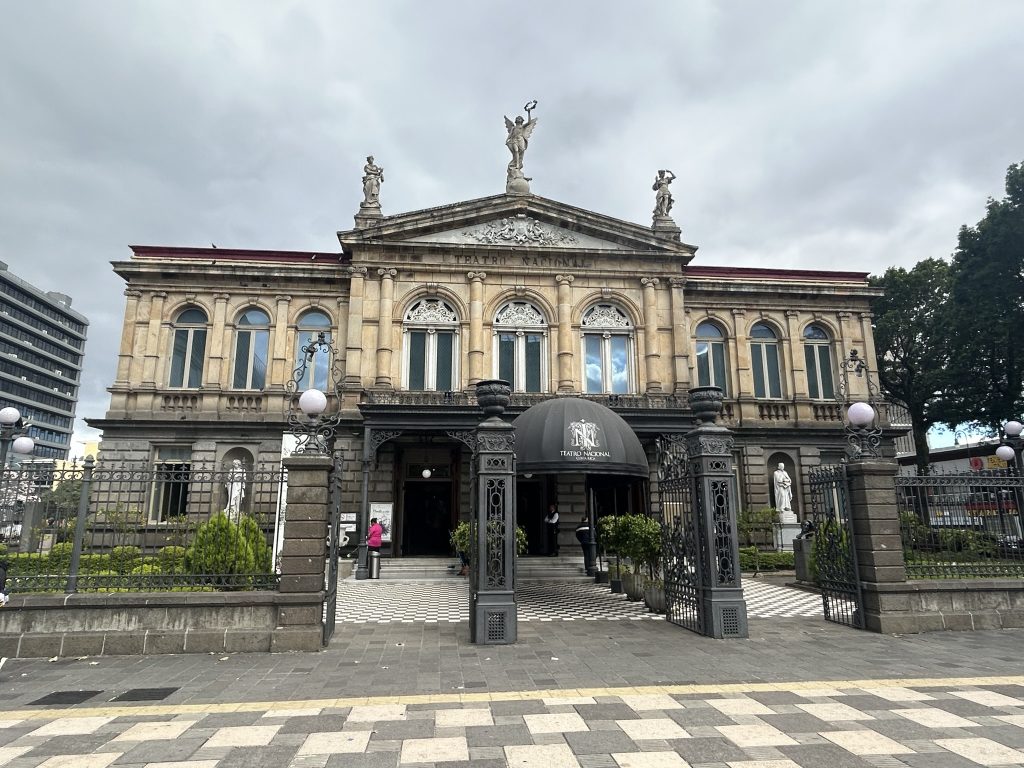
(414, 303)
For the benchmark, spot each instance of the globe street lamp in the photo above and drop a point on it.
(314, 432)
(1009, 451)
(862, 433)
(13, 434)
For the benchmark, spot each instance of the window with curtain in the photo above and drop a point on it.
(252, 345)
(818, 359)
(711, 364)
(764, 361)
(520, 346)
(318, 370)
(430, 332)
(607, 351)
(188, 349)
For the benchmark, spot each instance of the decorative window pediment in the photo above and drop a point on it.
(520, 314)
(606, 316)
(431, 312)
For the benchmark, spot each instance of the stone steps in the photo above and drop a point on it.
(563, 568)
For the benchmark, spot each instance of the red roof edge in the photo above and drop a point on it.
(814, 275)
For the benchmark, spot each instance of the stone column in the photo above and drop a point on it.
(281, 367)
(216, 377)
(153, 351)
(354, 343)
(300, 619)
(565, 345)
(709, 448)
(652, 358)
(796, 373)
(476, 326)
(129, 331)
(493, 619)
(680, 336)
(741, 356)
(384, 341)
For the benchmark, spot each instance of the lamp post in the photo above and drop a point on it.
(13, 434)
(313, 430)
(1009, 452)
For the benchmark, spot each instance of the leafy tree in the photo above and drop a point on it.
(986, 311)
(912, 344)
(64, 498)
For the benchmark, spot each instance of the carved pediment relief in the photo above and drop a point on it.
(520, 230)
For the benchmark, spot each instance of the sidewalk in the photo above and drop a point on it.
(798, 692)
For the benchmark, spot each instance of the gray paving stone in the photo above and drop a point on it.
(707, 750)
(822, 755)
(494, 736)
(612, 711)
(313, 724)
(68, 745)
(397, 730)
(599, 742)
(365, 760)
(162, 751)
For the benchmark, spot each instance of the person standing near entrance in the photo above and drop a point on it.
(375, 535)
(583, 537)
(551, 519)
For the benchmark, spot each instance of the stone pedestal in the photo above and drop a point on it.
(368, 216)
(785, 533)
(802, 549)
(665, 227)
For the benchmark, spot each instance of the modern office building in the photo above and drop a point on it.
(42, 342)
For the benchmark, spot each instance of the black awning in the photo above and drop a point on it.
(569, 434)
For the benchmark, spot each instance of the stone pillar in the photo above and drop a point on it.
(476, 326)
(493, 619)
(384, 341)
(303, 552)
(215, 376)
(796, 377)
(741, 383)
(153, 351)
(652, 357)
(680, 336)
(709, 448)
(354, 343)
(876, 538)
(565, 345)
(281, 367)
(129, 330)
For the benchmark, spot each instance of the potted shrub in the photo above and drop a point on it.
(639, 539)
(462, 545)
(607, 540)
(654, 595)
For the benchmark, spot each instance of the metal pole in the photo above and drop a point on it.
(83, 510)
(364, 511)
(6, 438)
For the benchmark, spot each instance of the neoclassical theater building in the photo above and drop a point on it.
(420, 306)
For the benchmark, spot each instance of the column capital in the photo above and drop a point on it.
(387, 273)
(564, 279)
(739, 312)
(357, 271)
(677, 282)
(845, 315)
(476, 277)
(221, 297)
(132, 293)
(792, 313)
(158, 294)
(650, 282)
(866, 315)
(282, 298)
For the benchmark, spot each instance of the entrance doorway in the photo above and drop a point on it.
(531, 507)
(427, 519)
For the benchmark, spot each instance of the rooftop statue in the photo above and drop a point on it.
(518, 140)
(663, 200)
(373, 176)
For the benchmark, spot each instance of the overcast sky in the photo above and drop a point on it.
(814, 134)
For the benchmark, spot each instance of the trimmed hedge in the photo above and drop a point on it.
(752, 559)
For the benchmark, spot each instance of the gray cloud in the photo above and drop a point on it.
(813, 134)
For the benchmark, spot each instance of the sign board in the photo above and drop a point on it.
(383, 511)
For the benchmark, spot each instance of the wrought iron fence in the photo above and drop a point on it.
(962, 526)
(96, 527)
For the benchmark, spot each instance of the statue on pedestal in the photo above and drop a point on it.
(663, 199)
(373, 176)
(518, 140)
(784, 495)
(235, 486)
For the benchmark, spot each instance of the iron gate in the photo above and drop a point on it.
(333, 534)
(681, 537)
(833, 553)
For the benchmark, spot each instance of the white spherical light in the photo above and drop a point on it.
(23, 444)
(1013, 428)
(1005, 453)
(9, 415)
(426, 474)
(313, 402)
(860, 414)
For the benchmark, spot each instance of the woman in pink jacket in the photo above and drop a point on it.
(373, 538)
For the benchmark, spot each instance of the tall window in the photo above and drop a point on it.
(818, 356)
(520, 336)
(252, 343)
(764, 361)
(318, 370)
(189, 349)
(431, 346)
(607, 350)
(711, 370)
(172, 470)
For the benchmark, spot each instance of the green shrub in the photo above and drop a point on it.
(124, 559)
(608, 534)
(753, 559)
(59, 557)
(147, 569)
(224, 550)
(172, 559)
(639, 538)
(461, 543)
(3, 550)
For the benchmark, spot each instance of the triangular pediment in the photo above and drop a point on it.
(514, 222)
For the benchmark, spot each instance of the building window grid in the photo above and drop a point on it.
(765, 362)
(51, 330)
(23, 355)
(431, 356)
(34, 414)
(39, 379)
(607, 340)
(818, 360)
(45, 309)
(712, 367)
(520, 347)
(39, 343)
(252, 346)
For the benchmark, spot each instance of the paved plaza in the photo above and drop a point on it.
(605, 692)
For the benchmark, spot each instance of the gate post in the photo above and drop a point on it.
(493, 599)
(709, 448)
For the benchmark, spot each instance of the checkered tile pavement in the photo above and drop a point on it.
(381, 602)
(851, 724)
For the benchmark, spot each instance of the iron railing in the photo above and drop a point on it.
(962, 526)
(99, 527)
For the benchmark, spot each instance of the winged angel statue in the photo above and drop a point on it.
(519, 136)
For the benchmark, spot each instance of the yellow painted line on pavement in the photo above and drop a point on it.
(463, 697)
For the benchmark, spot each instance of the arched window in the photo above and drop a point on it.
(431, 346)
(318, 370)
(252, 344)
(189, 349)
(711, 369)
(520, 336)
(764, 361)
(607, 351)
(818, 357)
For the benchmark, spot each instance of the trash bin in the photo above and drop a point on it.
(374, 565)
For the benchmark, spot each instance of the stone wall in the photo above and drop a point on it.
(930, 606)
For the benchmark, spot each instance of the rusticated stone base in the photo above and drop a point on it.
(953, 605)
